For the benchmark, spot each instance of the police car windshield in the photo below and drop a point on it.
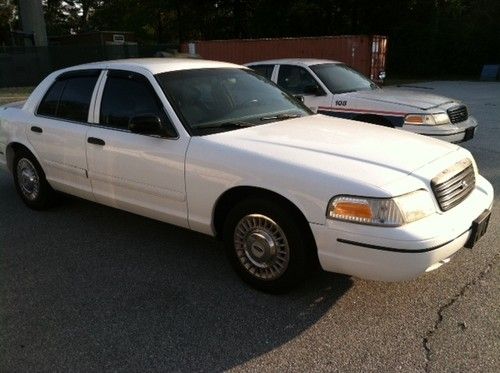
(224, 99)
(340, 78)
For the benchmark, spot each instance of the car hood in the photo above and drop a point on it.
(349, 149)
(408, 98)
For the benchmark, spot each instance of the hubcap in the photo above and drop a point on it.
(28, 179)
(261, 246)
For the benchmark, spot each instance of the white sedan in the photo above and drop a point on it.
(216, 148)
(333, 88)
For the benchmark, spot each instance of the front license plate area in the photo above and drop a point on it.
(479, 227)
(469, 133)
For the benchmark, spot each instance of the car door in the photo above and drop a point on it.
(297, 81)
(266, 70)
(140, 173)
(59, 128)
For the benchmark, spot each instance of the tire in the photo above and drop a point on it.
(30, 181)
(266, 246)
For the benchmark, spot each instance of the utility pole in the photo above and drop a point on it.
(33, 22)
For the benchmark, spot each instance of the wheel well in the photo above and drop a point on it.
(374, 119)
(237, 194)
(12, 149)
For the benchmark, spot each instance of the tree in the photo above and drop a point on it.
(7, 19)
(425, 36)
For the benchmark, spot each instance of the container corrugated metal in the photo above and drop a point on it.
(365, 53)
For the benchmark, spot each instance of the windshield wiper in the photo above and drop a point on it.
(280, 117)
(228, 125)
(346, 91)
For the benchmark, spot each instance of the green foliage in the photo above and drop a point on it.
(69, 16)
(7, 19)
(7, 14)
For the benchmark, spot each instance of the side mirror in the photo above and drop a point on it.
(313, 90)
(299, 98)
(149, 124)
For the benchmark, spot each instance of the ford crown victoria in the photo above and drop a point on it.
(216, 148)
(333, 88)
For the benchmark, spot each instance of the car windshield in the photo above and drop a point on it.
(340, 78)
(223, 99)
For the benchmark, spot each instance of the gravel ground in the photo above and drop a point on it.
(88, 288)
(14, 94)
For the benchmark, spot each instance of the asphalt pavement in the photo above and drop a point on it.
(84, 287)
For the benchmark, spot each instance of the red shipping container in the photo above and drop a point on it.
(365, 53)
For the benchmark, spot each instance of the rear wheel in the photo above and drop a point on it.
(266, 245)
(30, 181)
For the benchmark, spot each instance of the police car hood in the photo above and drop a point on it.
(408, 98)
(352, 150)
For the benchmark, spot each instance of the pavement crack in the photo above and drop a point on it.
(457, 296)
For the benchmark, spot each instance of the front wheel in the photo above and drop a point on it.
(374, 119)
(266, 245)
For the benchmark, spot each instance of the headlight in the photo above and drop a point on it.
(427, 119)
(382, 211)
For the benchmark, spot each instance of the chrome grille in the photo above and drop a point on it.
(458, 114)
(454, 184)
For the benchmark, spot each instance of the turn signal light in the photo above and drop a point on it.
(353, 210)
(414, 119)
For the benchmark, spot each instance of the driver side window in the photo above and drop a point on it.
(128, 95)
(296, 80)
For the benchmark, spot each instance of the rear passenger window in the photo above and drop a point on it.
(264, 70)
(125, 96)
(69, 97)
(48, 106)
(75, 99)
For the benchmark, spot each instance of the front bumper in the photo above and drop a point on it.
(400, 253)
(455, 133)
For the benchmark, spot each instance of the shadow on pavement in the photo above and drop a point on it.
(85, 287)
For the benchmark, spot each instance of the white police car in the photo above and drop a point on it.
(333, 88)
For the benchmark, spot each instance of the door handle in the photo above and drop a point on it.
(96, 141)
(36, 129)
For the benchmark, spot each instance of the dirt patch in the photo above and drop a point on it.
(14, 94)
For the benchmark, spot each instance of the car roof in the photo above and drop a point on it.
(293, 61)
(156, 65)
